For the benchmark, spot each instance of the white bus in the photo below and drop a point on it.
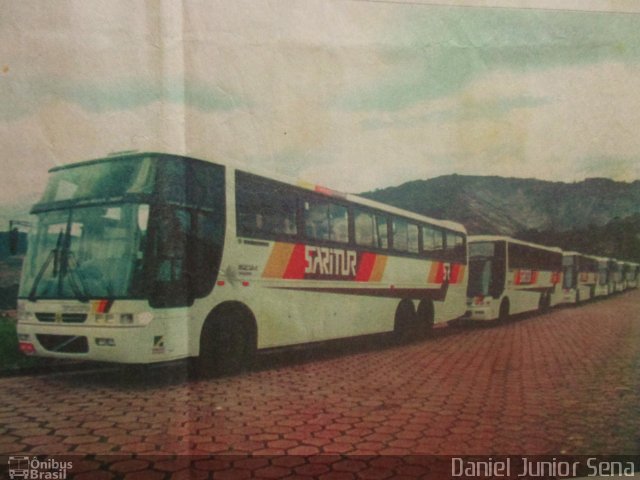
(508, 276)
(150, 257)
(633, 273)
(579, 277)
(616, 276)
(604, 287)
(630, 274)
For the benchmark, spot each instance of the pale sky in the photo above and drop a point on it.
(351, 94)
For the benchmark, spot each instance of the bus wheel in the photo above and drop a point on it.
(227, 344)
(545, 301)
(503, 313)
(405, 320)
(425, 316)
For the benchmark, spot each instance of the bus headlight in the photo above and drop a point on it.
(24, 316)
(144, 318)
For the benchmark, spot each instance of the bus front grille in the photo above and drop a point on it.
(64, 317)
(63, 343)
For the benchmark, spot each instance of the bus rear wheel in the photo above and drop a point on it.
(425, 317)
(227, 344)
(545, 302)
(405, 320)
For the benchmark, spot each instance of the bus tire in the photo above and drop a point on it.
(545, 302)
(405, 320)
(425, 316)
(503, 312)
(227, 342)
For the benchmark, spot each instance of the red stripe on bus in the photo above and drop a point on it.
(440, 273)
(367, 262)
(297, 263)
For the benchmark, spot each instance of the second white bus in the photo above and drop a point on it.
(509, 276)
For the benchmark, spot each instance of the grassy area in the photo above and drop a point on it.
(10, 357)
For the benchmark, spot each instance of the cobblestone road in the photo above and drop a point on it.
(565, 382)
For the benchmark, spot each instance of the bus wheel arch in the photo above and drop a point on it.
(228, 339)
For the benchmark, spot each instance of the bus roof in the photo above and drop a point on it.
(502, 238)
(458, 227)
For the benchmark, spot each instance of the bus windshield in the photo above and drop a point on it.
(480, 268)
(145, 227)
(86, 252)
(568, 271)
(479, 277)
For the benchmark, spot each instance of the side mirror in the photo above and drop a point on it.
(15, 237)
(14, 240)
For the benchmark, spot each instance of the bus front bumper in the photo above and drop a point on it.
(130, 344)
(480, 310)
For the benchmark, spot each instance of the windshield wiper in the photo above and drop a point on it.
(54, 255)
(66, 255)
(62, 256)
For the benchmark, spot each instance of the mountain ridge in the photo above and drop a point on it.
(503, 205)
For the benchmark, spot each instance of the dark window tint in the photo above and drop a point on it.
(406, 236)
(185, 254)
(455, 247)
(432, 240)
(400, 234)
(265, 208)
(528, 257)
(324, 220)
(370, 229)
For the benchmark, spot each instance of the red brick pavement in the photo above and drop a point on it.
(567, 382)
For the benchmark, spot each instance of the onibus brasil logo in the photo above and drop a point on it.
(37, 469)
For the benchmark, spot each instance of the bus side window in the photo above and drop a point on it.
(265, 209)
(339, 219)
(382, 231)
(365, 229)
(432, 240)
(413, 238)
(455, 247)
(400, 234)
(326, 221)
(316, 220)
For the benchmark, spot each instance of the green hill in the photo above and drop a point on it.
(509, 205)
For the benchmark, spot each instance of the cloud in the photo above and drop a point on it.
(27, 96)
(465, 110)
(617, 168)
(439, 50)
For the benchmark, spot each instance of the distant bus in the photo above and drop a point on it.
(616, 280)
(630, 274)
(604, 286)
(508, 276)
(579, 277)
(633, 276)
(149, 257)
